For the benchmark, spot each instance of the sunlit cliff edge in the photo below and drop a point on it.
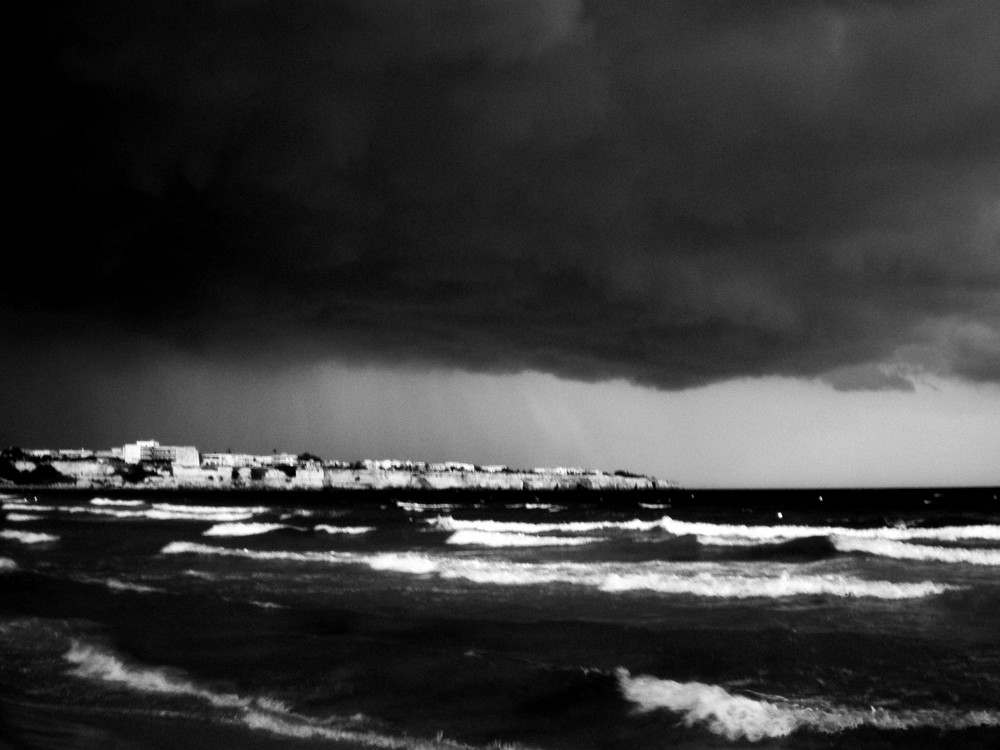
(148, 464)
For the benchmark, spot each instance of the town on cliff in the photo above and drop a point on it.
(147, 464)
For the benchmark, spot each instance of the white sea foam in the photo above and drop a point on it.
(343, 529)
(243, 529)
(424, 507)
(267, 605)
(747, 587)
(260, 713)
(121, 503)
(691, 579)
(203, 575)
(34, 507)
(117, 585)
(208, 509)
(406, 562)
(720, 532)
(27, 537)
(7, 565)
(510, 539)
(907, 551)
(725, 534)
(737, 717)
(157, 513)
(96, 663)
(22, 517)
(193, 548)
(447, 523)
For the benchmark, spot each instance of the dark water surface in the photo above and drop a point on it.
(561, 620)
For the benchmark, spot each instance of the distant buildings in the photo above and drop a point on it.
(148, 463)
(151, 450)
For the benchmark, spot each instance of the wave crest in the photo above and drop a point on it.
(612, 578)
(907, 551)
(737, 717)
(511, 539)
(354, 530)
(96, 663)
(243, 529)
(28, 537)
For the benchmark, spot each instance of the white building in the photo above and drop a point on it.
(151, 450)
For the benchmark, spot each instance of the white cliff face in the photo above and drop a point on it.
(370, 474)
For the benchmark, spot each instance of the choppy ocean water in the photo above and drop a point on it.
(443, 620)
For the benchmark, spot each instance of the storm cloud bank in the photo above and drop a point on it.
(674, 193)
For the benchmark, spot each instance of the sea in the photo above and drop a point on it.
(509, 620)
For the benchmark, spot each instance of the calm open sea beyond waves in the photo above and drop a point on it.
(563, 620)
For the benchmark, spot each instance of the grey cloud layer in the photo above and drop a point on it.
(670, 192)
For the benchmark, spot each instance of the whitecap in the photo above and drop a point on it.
(907, 551)
(719, 533)
(208, 509)
(722, 534)
(122, 503)
(737, 717)
(262, 713)
(407, 562)
(424, 507)
(7, 565)
(23, 517)
(118, 585)
(94, 662)
(343, 529)
(510, 539)
(612, 578)
(28, 537)
(243, 529)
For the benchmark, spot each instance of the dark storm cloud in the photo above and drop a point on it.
(670, 192)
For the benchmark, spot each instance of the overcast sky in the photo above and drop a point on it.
(730, 243)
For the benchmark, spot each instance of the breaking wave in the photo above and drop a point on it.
(343, 529)
(208, 509)
(511, 539)
(22, 517)
(259, 713)
(28, 537)
(96, 663)
(120, 503)
(243, 529)
(737, 717)
(718, 533)
(159, 512)
(906, 551)
(7, 565)
(424, 507)
(654, 576)
(118, 585)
